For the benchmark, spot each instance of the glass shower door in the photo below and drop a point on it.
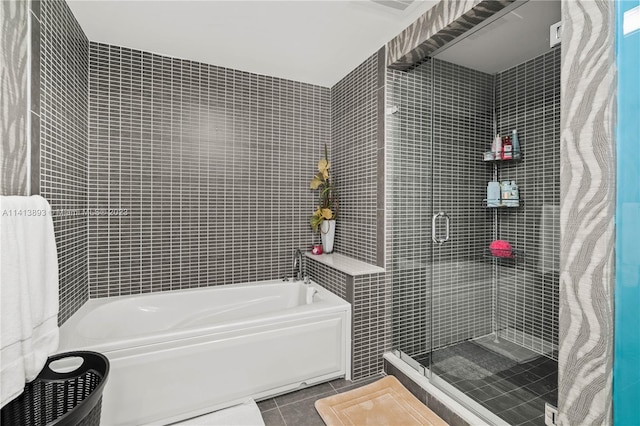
(461, 291)
(493, 321)
(484, 330)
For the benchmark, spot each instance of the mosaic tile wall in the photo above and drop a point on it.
(211, 165)
(408, 203)
(528, 99)
(462, 129)
(356, 111)
(329, 278)
(59, 139)
(370, 298)
(453, 177)
(371, 323)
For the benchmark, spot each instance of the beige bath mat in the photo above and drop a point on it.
(384, 402)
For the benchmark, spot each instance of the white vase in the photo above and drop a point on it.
(328, 233)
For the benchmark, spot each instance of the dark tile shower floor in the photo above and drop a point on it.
(514, 390)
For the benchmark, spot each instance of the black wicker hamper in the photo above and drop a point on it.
(61, 398)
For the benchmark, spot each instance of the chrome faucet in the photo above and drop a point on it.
(297, 265)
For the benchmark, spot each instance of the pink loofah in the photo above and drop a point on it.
(501, 248)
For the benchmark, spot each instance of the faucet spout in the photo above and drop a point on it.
(297, 265)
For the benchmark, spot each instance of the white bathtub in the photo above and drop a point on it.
(179, 354)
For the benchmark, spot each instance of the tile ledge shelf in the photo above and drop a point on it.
(348, 265)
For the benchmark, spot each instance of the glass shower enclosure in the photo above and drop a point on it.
(482, 324)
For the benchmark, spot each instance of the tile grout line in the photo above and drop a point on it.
(280, 412)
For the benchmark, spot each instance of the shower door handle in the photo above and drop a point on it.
(434, 219)
(448, 223)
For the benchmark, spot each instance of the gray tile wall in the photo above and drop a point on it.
(408, 203)
(370, 298)
(59, 140)
(329, 278)
(462, 127)
(212, 166)
(453, 177)
(371, 323)
(356, 114)
(528, 99)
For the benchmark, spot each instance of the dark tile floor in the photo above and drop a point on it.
(515, 391)
(296, 408)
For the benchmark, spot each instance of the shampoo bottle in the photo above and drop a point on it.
(505, 190)
(515, 194)
(497, 147)
(515, 144)
(507, 148)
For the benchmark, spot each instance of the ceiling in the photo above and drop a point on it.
(519, 35)
(312, 41)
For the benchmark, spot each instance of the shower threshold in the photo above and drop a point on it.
(513, 388)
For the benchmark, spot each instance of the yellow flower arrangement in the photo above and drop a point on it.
(328, 206)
